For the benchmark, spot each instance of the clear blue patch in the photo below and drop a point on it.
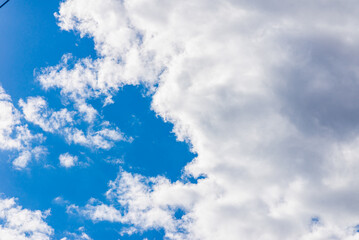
(179, 213)
(315, 220)
(155, 150)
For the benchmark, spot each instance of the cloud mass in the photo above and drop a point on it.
(264, 92)
(17, 223)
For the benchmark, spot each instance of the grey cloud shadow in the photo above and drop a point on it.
(319, 90)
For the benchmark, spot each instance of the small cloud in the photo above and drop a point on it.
(26, 156)
(60, 201)
(22, 160)
(67, 160)
(79, 235)
(115, 161)
(88, 112)
(36, 111)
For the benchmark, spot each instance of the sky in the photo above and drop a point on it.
(155, 119)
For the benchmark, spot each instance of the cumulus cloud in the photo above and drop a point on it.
(36, 111)
(74, 236)
(27, 155)
(17, 223)
(145, 202)
(60, 201)
(265, 93)
(80, 235)
(103, 138)
(15, 135)
(67, 160)
(62, 122)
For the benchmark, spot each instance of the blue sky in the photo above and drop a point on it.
(198, 120)
(31, 40)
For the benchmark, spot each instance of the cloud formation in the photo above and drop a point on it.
(36, 111)
(62, 122)
(79, 235)
(67, 160)
(265, 93)
(15, 135)
(17, 223)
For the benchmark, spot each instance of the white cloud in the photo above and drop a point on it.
(74, 236)
(60, 201)
(143, 206)
(62, 122)
(22, 160)
(67, 160)
(36, 111)
(17, 223)
(26, 156)
(14, 135)
(89, 112)
(100, 139)
(98, 213)
(265, 93)
(80, 235)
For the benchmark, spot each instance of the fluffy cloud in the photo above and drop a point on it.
(36, 111)
(14, 135)
(62, 122)
(146, 204)
(265, 93)
(81, 235)
(27, 155)
(101, 139)
(17, 223)
(67, 160)
(74, 236)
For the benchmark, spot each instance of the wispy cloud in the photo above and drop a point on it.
(64, 122)
(15, 134)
